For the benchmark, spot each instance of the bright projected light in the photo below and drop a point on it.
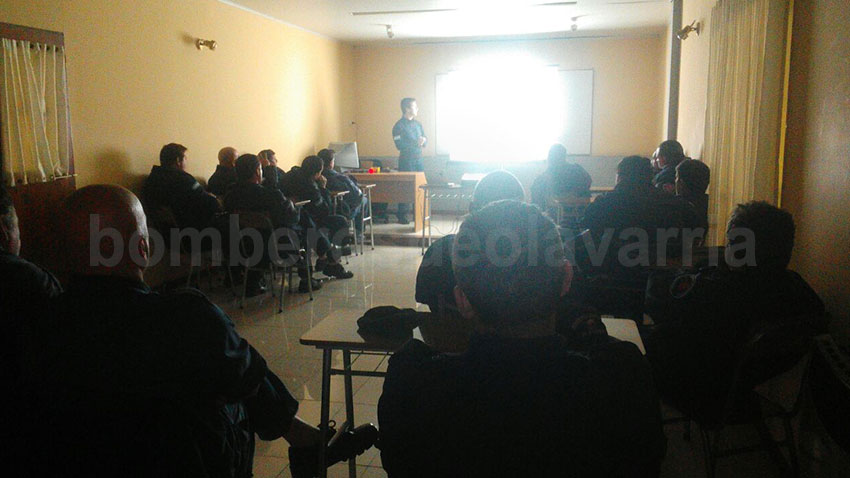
(501, 111)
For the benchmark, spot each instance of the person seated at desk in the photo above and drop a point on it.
(272, 175)
(170, 186)
(668, 155)
(561, 179)
(704, 318)
(248, 195)
(124, 381)
(517, 402)
(307, 183)
(224, 176)
(354, 200)
(635, 211)
(692, 179)
(435, 281)
(25, 288)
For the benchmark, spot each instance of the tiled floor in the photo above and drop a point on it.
(387, 276)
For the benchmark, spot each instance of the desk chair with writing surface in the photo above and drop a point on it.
(767, 383)
(269, 261)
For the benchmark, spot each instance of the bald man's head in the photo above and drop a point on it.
(227, 157)
(106, 231)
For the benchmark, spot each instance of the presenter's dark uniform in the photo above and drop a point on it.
(406, 134)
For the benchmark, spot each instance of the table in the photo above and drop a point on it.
(431, 191)
(398, 187)
(625, 330)
(338, 331)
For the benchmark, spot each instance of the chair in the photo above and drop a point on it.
(365, 217)
(568, 210)
(202, 256)
(252, 220)
(776, 357)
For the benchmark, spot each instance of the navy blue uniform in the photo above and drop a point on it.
(519, 407)
(127, 382)
(665, 180)
(180, 192)
(703, 319)
(222, 180)
(355, 200)
(406, 134)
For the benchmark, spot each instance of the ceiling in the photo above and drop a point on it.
(420, 20)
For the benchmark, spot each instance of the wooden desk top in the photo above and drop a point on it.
(625, 330)
(338, 331)
(395, 176)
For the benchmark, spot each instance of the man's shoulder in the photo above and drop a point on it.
(19, 274)
(191, 306)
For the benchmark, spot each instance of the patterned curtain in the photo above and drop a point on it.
(34, 121)
(734, 131)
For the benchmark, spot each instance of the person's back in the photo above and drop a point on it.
(224, 176)
(561, 179)
(517, 402)
(692, 180)
(248, 195)
(134, 368)
(635, 207)
(704, 318)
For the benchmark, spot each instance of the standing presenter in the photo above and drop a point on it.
(409, 139)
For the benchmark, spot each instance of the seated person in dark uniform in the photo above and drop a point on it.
(248, 195)
(224, 176)
(443, 330)
(634, 207)
(307, 183)
(170, 186)
(127, 382)
(703, 318)
(24, 290)
(668, 155)
(517, 402)
(561, 179)
(692, 179)
(272, 175)
(355, 200)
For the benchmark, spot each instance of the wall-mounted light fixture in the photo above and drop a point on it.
(684, 32)
(390, 33)
(200, 44)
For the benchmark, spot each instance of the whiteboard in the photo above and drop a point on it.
(573, 103)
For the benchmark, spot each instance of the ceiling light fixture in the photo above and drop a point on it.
(684, 32)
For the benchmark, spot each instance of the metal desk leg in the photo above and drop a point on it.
(425, 217)
(349, 407)
(326, 410)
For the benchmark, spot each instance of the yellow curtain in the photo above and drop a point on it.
(734, 132)
(35, 121)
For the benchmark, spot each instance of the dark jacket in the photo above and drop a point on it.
(702, 320)
(128, 382)
(406, 135)
(512, 407)
(700, 205)
(568, 179)
(221, 180)
(298, 185)
(25, 288)
(180, 192)
(665, 180)
(244, 196)
(342, 182)
(641, 207)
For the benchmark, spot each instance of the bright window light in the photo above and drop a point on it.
(500, 111)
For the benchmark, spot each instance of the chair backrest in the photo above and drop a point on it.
(256, 221)
(776, 350)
